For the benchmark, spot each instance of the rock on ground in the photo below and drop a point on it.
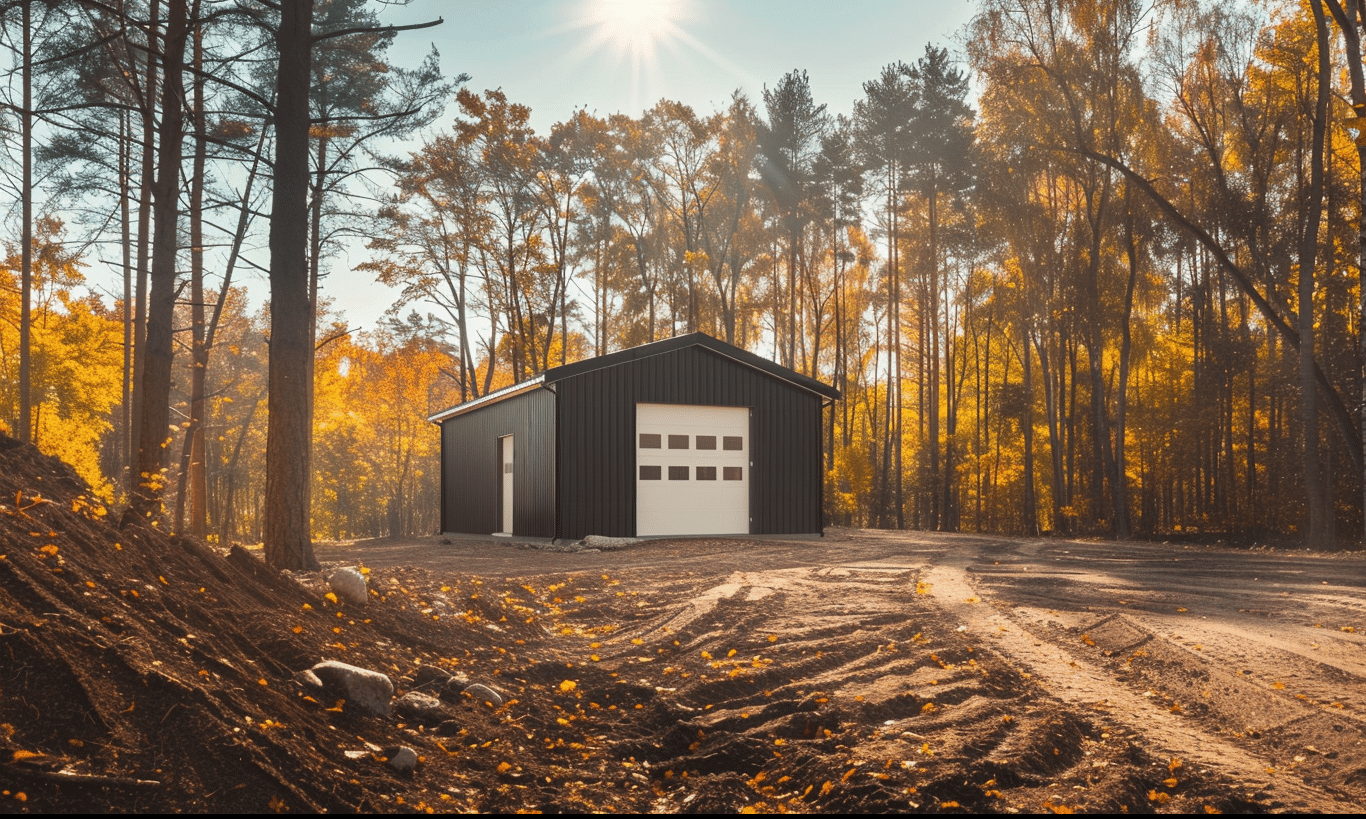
(403, 760)
(606, 544)
(369, 691)
(349, 585)
(482, 693)
(592, 543)
(420, 707)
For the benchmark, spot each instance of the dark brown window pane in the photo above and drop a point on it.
(507, 469)
(678, 473)
(706, 473)
(706, 442)
(650, 473)
(648, 441)
(678, 442)
(734, 473)
(734, 442)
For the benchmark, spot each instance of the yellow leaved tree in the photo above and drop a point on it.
(76, 357)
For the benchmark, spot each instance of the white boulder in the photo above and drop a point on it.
(349, 585)
(363, 689)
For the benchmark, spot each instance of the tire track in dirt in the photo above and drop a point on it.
(841, 688)
(832, 676)
(1079, 663)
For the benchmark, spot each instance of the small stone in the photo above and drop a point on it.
(454, 687)
(482, 693)
(363, 689)
(606, 544)
(448, 728)
(420, 707)
(349, 585)
(403, 759)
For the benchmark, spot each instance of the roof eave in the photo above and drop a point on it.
(485, 400)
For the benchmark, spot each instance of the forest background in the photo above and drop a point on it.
(1100, 273)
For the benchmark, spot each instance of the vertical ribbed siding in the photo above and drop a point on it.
(597, 413)
(470, 466)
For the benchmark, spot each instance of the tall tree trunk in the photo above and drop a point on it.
(1103, 462)
(199, 486)
(148, 112)
(894, 409)
(893, 315)
(1315, 493)
(1119, 491)
(791, 351)
(286, 531)
(1053, 409)
(125, 228)
(24, 425)
(1031, 505)
(938, 482)
(156, 374)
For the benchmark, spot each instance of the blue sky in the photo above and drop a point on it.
(560, 55)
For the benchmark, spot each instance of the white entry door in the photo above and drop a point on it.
(505, 461)
(692, 470)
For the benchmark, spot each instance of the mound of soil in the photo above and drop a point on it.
(143, 672)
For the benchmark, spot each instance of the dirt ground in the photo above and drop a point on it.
(868, 671)
(895, 671)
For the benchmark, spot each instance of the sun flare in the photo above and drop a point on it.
(635, 27)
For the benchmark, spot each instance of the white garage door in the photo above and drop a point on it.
(692, 470)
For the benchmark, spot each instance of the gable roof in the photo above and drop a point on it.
(668, 345)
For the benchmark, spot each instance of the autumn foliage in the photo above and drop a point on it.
(1057, 279)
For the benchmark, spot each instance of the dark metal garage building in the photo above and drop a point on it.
(684, 436)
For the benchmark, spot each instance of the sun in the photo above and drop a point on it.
(635, 27)
(638, 46)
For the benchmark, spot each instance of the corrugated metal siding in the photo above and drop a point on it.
(471, 474)
(597, 440)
